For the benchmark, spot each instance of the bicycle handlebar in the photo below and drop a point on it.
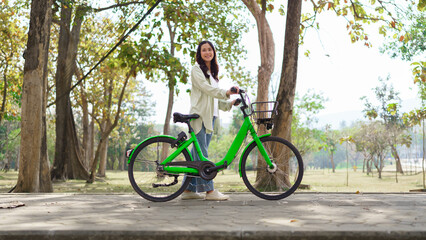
(234, 90)
(240, 100)
(237, 101)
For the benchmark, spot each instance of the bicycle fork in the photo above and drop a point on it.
(262, 149)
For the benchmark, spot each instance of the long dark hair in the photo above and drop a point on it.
(214, 67)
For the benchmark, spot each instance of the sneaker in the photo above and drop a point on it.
(216, 196)
(191, 195)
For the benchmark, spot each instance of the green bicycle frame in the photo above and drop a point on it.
(230, 155)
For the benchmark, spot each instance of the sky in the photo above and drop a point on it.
(342, 71)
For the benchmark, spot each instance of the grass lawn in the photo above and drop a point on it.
(229, 181)
(326, 181)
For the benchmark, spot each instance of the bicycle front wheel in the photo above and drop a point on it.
(278, 182)
(150, 182)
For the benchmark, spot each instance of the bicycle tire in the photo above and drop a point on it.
(276, 184)
(143, 171)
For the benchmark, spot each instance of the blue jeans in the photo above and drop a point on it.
(198, 184)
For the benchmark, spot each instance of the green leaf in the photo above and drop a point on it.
(422, 5)
(307, 53)
(281, 10)
(178, 47)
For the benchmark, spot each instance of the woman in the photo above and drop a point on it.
(206, 100)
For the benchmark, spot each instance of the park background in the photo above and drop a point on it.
(333, 72)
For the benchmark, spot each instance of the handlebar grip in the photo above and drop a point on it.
(237, 101)
(234, 90)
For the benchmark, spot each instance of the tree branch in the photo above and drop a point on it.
(315, 6)
(366, 18)
(253, 8)
(116, 5)
(120, 99)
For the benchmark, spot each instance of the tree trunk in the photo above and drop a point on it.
(90, 154)
(76, 169)
(267, 49)
(397, 160)
(369, 163)
(33, 150)
(60, 160)
(45, 178)
(171, 84)
(171, 79)
(424, 149)
(85, 148)
(18, 156)
(68, 162)
(86, 133)
(266, 68)
(267, 55)
(166, 128)
(104, 129)
(287, 88)
(363, 165)
(333, 167)
(379, 164)
(95, 161)
(107, 131)
(103, 158)
(3, 104)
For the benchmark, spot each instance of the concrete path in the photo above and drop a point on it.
(244, 216)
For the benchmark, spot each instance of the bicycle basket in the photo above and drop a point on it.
(264, 112)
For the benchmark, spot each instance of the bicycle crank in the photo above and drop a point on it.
(207, 170)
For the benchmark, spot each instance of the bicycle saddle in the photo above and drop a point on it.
(179, 117)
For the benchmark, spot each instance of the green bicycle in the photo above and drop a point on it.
(271, 167)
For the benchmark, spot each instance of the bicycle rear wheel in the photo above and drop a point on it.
(277, 183)
(147, 180)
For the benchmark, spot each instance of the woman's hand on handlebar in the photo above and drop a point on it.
(236, 102)
(233, 90)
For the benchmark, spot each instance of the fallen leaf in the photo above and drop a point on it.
(13, 204)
